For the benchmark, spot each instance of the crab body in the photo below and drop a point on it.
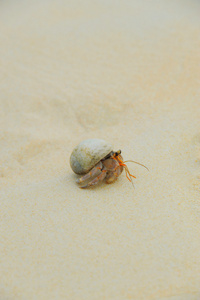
(95, 160)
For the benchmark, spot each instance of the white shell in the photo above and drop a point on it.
(87, 154)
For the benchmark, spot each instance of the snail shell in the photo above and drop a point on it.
(87, 154)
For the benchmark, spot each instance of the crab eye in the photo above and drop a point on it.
(118, 152)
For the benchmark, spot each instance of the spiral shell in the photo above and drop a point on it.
(87, 154)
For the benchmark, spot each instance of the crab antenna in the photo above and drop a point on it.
(136, 163)
(129, 177)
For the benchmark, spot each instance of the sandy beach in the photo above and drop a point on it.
(124, 71)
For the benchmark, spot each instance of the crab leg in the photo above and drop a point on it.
(94, 172)
(96, 179)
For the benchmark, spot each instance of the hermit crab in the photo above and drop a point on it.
(96, 161)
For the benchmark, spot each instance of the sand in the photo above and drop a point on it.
(127, 72)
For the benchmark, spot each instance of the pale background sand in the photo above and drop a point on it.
(125, 71)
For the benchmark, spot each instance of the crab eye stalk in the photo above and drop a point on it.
(118, 152)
